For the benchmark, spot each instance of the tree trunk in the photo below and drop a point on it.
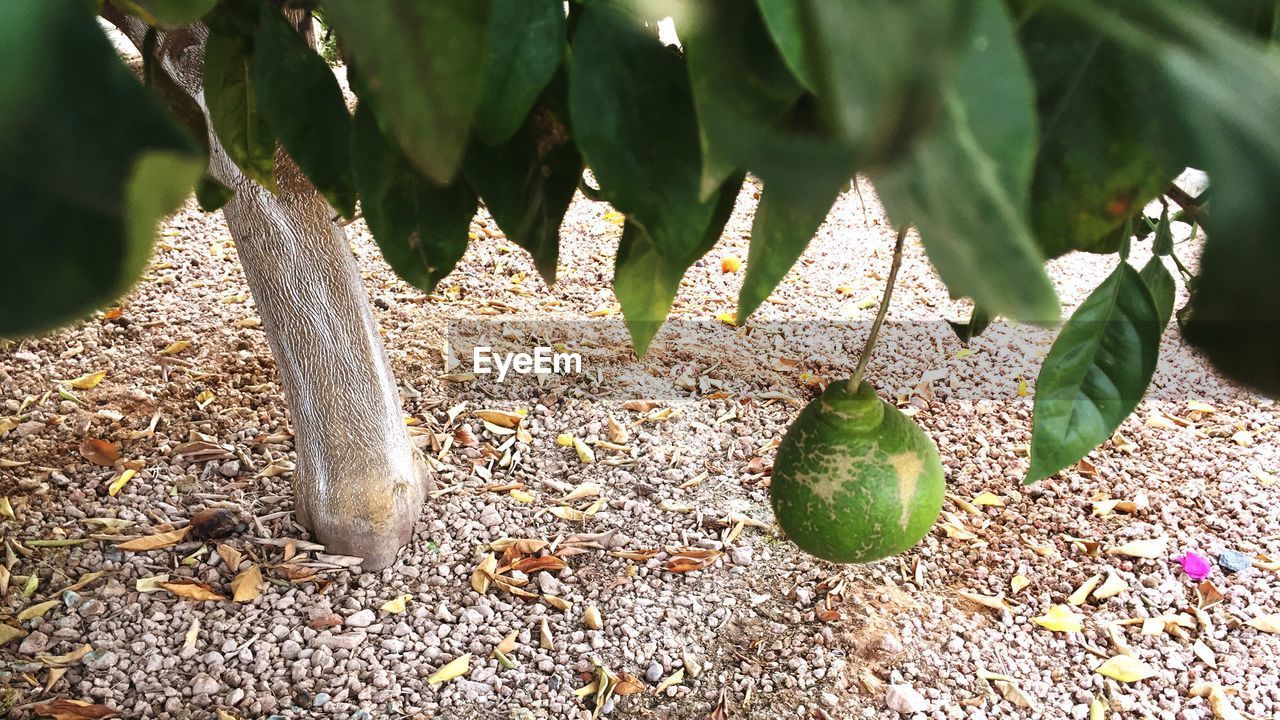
(359, 482)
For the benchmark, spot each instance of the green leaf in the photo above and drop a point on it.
(300, 98)
(1096, 372)
(785, 221)
(80, 196)
(965, 184)
(526, 42)
(528, 182)
(977, 323)
(878, 65)
(647, 275)
(1105, 150)
(638, 134)
(232, 107)
(741, 87)
(784, 21)
(425, 64)
(167, 13)
(211, 194)
(422, 229)
(1156, 276)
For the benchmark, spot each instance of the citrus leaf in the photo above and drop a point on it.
(79, 224)
(741, 86)
(287, 75)
(425, 63)
(167, 13)
(618, 117)
(526, 41)
(978, 238)
(1095, 374)
(232, 105)
(1103, 151)
(1159, 281)
(1060, 618)
(783, 19)
(421, 228)
(878, 65)
(528, 181)
(978, 322)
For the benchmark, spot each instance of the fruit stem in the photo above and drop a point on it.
(865, 357)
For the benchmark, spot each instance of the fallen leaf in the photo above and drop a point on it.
(63, 709)
(1207, 595)
(484, 573)
(1125, 668)
(1018, 582)
(192, 590)
(996, 602)
(1205, 653)
(531, 565)
(1014, 694)
(247, 585)
(585, 453)
(583, 490)
(1149, 549)
(38, 610)
(545, 641)
(502, 418)
(508, 644)
(154, 542)
(591, 618)
(1082, 593)
(9, 633)
(568, 513)
(1266, 623)
(523, 546)
(99, 452)
(87, 381)
(231, 557)
(397, 604)
(640, 405)
(203, 399)
(1060, 618)
(151, 584)
(674, 678)
(1219, 700)
(1112, 587)
(176, 347)
(453, 669)
(628, 685)
(118, 484)
(989, 499)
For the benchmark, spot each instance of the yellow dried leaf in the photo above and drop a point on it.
(1219, 700)
(192, 590)
(508, 644)
(1060, 618)
(1018, 582)
(1202, 407)
(118, 484)
(484, 573)
(247, 585)
(1022, 387)
(1266, 623)
(1207, 655)
(87, 382)
(151, 584)
(674, 678)
(996, 602)
(989, 499)
(728, 318)
(585, 453)
(453, 669)
(564, 439)
(203, 399)
(176, 347)
(503, 418)
(591, 618)
(398, 604)
(1082, 593)
(582, 491)
(9, 633)
(568, 513)
(1149, 549)
(1125, 668)
(557, 602)
(545, 641)
(231, 557)
(155, 542)
(1112, 587)
(1098, 709)
(38, 610)
(1014, 694)
(521, 496)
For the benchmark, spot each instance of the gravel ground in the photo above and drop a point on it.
(755, 630)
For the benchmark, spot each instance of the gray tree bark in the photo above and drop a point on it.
(359, 482)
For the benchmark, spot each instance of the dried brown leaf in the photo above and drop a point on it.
(99, 452)
(64, 709)
(247, 585)
(192, 590)
(155, 542)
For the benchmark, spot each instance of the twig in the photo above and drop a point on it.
(1184, 201)
(865, 357)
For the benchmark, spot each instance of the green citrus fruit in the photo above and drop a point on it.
(855, 480)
